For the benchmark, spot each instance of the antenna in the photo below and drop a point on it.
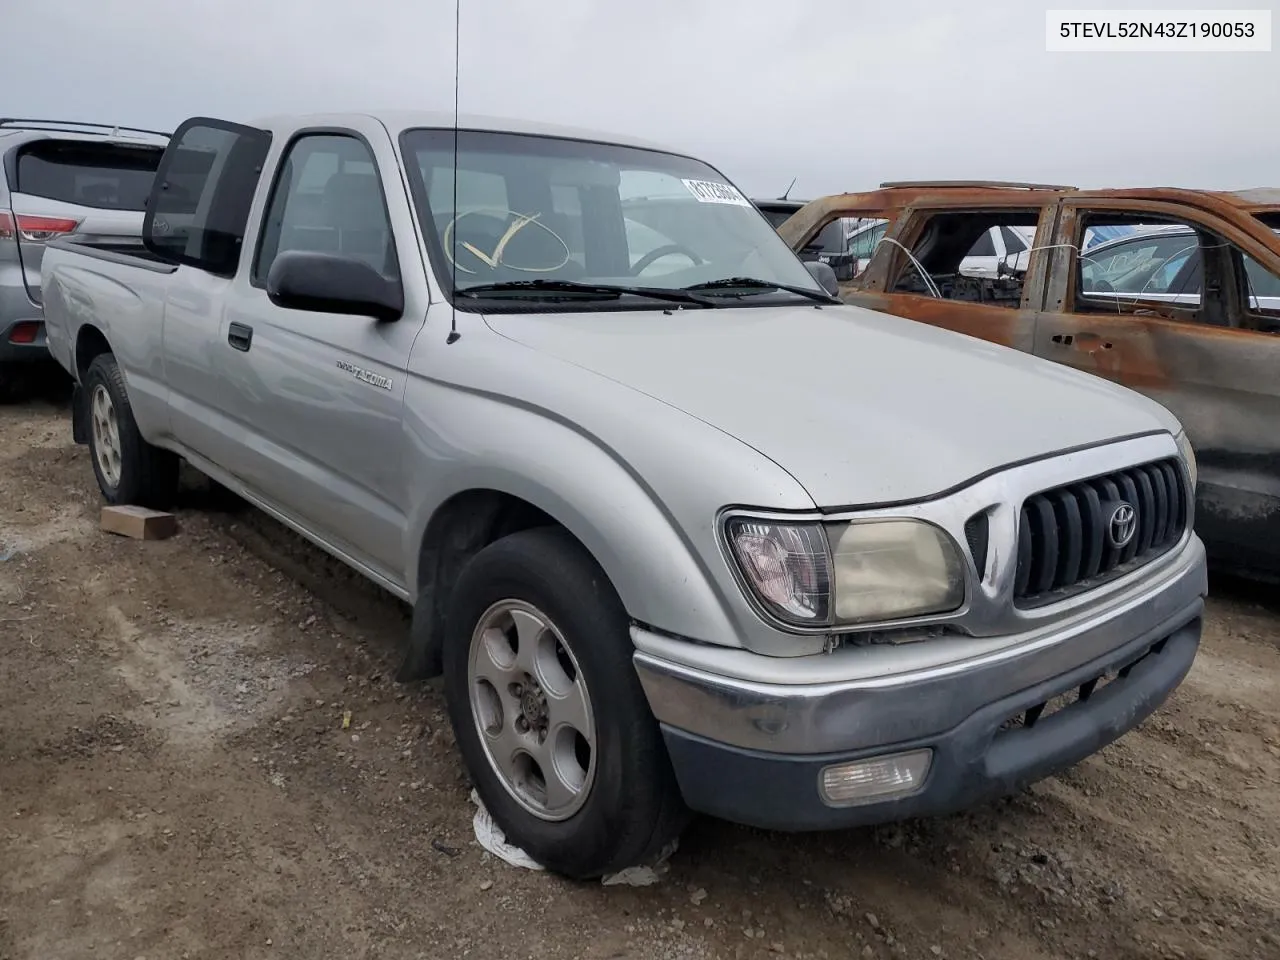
(788, 190)
(453, 239)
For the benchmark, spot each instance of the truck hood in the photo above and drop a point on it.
(860, 407)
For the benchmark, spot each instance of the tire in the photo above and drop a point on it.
(628, 806)
(129, 470)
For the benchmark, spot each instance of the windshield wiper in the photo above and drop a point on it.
(549, 289)
(752, 285)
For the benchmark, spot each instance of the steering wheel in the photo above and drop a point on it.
(665, 250)
(1102, 286)
(488, 241)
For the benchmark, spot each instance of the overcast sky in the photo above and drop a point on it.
(839, 93)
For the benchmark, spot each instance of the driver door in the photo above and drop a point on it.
(320, 395)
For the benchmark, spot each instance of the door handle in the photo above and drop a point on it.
(1063, 338)
(240, 336)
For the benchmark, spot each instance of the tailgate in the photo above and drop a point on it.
(96, 188)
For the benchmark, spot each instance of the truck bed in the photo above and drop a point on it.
(119, 287)
(118, 249)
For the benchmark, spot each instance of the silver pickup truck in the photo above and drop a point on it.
(680, 531)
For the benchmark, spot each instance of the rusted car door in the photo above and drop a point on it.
(887, 283)
(1189, 334)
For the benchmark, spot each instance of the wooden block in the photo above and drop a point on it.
(139, 522)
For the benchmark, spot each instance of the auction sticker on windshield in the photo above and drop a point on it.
(708, 191)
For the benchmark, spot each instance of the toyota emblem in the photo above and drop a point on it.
(1122, 525)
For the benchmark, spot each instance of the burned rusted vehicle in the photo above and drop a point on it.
(1175, 293)
(830, 245)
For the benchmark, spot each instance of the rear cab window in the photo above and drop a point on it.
(105, 176)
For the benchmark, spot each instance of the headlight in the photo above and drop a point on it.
(893, 569)
(1188, 457)
(848, 573)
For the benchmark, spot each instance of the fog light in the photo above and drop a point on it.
(876, 778)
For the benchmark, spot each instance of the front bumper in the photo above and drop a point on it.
(754, 752)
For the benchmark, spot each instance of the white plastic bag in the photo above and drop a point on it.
(490, 836)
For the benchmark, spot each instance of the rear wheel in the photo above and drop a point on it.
(129, 470)
(548, 711)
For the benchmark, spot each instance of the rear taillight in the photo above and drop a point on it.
(34, 229)
(24, 332)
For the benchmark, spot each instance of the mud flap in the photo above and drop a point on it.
(422, 659)
(79, 415)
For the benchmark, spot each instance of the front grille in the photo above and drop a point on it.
(1073, 538)
(977, 532)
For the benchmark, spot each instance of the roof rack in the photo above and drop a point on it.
(974, 183)
(75, 126)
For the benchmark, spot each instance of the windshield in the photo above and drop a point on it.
(533, 208)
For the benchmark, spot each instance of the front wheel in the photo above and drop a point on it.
(129, 470)
(548, 711)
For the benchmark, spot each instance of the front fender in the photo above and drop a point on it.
(658, 573)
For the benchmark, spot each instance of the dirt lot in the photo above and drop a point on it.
(176, 783)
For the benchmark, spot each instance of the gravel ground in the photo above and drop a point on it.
(177, 783)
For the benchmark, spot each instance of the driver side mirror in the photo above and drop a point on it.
(332, 283)
(825, 276)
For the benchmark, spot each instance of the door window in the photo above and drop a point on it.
(199, 202)
(328, 198)
(863, 243)
(1262, 294)
(955, 257)
(1162, 264)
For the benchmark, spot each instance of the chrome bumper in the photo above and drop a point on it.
(720, 695)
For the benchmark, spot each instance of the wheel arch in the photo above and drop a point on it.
(627, 544)
(90, 344)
